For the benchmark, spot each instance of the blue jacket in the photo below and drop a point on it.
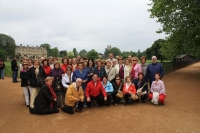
(90, 70)
(152, 69)
(108, 87)
(100, 72)
(83, 76)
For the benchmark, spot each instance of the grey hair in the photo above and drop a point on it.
(78, 79)
(154, 57)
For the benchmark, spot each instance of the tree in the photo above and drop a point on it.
(83, 53)
(70, 54)
(125, 54)
(3, 54)
(48, 48)
(8, 44)
(116, 51)
(75, 52)
(54, 52)
(63, 53)
(180, 20)
(139, 54)
(92, 54)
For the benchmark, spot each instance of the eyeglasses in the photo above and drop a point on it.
(134, 60)
(117, 79)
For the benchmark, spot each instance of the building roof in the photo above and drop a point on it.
(180, 56)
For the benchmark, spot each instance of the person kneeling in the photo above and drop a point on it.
(95, 91)
(129, 91)
(74, 95)
(45, 100)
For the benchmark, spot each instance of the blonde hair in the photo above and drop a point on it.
(49, 78)
(135, 58)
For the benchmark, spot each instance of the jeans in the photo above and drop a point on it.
(59, 95)
(14, 76)
(1, 73)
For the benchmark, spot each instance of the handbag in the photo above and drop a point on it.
(140, 89)
(120, 94)
(134, 96)
(40, 80)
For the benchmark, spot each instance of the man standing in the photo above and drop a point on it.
(111, 58)
(152, 69)
(74, 95)
(95, 91)
(144, 65)
(15, 69)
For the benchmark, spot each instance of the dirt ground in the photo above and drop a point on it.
(181, 112)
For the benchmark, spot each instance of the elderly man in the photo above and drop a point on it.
(152, 69)
(74, 95)
(111, 58)
(95, 91)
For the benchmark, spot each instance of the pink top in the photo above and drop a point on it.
(137, 70)
(160, 87)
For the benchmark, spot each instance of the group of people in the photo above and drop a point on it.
(81, 82)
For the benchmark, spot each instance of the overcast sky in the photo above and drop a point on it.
(83, 24)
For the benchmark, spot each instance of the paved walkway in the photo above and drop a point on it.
(181, 112)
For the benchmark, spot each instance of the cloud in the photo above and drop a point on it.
(85, 24)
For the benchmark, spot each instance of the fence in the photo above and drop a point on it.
(173, 66)
(168, 67)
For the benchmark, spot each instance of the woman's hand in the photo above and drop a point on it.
(55, 99)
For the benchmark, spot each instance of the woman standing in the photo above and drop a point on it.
(46, 67)
(121, 69)
(2, 66)
(118, 87)
(128, 90)
(136, 68)
(74, 64)
(127, 69)
(64, 64)
(30, 63)
(66, 81)
(34, 74)
(108, 88)
(45, 100)
(57, 73)
(110, 71)
(90, 70)
(158, 86)
(24, 82)
(99, 70)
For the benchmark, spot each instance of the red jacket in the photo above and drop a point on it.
(131, 88)
(92, 90)
(64, 67)
(47, 70)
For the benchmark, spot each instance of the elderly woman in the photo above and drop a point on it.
(64, 64)
(99, 70)
(66, 81)
(128, 90)
(136, 68)
(158, 87)
(90, 69)
(115, 65)
(139, 83)
(74, 95)
(110, 71)
(24, 82)
(36, 72)
(121, 69)
(46, 67)
(108, 88)
(45, 100)
(118, 87)
(127, 68)
(30, 63)
(57, 73)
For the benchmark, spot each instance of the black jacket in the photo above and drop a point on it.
(32, 76)
(117, 87)
(14, 66)
(135, 81)
(2, 66)
(100, 72)
(42, 102)
(24, 78)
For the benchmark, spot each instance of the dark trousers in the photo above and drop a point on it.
(115, 98)
(144, 97)
(70, 109)
(14, 76)
(99, 99)
(127, 97)
(109, 98)
(58, 94)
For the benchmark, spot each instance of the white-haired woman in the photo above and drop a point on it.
(45, 100)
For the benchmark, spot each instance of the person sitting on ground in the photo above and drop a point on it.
(95, 91)
(74, 95)
(139, 83)
(159, 87)
(108, 88)
(118, 87)
(45, 100)
(128, 90)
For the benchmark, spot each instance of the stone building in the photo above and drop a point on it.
(30, 51)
